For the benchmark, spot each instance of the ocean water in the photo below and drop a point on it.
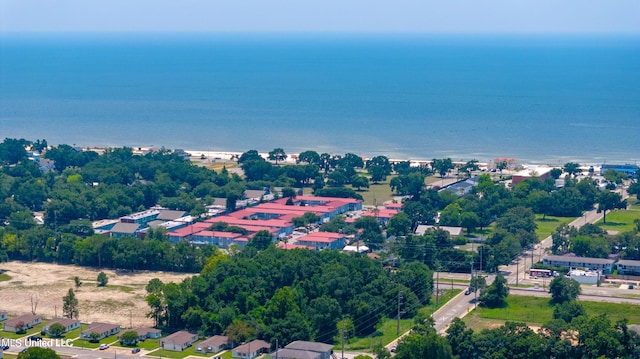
(540, 99)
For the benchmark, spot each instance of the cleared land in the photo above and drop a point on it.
(121, 301)
(621, 220)
(536, 311)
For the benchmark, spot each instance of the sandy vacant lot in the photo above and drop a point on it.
(121, 302)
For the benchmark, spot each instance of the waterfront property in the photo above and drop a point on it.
(22, 322)
(598, 264)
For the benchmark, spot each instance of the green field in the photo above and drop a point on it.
(87, 344)
(72, 334)
(179, 355)
(4, 277)
(621, 220)
(33, 331)
(549, 224)
(376, 194)
(387, 329)
(537, 311)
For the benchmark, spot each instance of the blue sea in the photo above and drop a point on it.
(540, 99)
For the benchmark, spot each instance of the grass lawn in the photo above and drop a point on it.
(35, 330)
(387, 329)
(149, 344)
(72, 334)
(537, 311)
(4, 277)
(179, 355)
(621, 220)
(549, 224)
(87, 344)
(376, 194)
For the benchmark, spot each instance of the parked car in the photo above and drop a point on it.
(393, 349)
(5, 347)
(135, 350)
(35, 338)
(104, 346)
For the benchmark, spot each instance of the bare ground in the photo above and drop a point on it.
(121, 301)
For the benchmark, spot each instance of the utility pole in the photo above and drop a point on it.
(342, 339)
(437, 285)
(399, 298)
(517, 270)
(276, 348)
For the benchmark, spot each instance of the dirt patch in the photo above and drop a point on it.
(121, 302)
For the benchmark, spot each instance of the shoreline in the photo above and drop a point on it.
(228, 156)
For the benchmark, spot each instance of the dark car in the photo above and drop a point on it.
(35, 338)
(5, 347)
(135, 350)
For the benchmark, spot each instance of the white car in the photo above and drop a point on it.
(104, 346)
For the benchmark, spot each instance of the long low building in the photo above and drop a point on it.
(599, 264)
(628, 267)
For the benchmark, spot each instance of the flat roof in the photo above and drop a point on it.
(575, 259)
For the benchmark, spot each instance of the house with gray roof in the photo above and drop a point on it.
(179, 341)
(214, 344)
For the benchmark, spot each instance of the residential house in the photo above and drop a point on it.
(319, 350)
(22, 322)
(628, 267)
(102, 331)
(214, 344)
(250, 350)
(67, 323)
(599, 264)
(178, 341)
(147, 333)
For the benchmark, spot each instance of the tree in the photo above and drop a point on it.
(563, 289)
(419, 346)
(38, 353)
(310, 157)
(442, 166)
(495, 295)
(261, 240)
(359, 181)
(70, 305)
(130, 337)
(251, 155)
(572, 168)
(102, 279)
(555, 173)
(568, 310)
(399, 224)
(277, 154)
(77, 282)
(56, 330)
(469, 221)
(607, 201)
